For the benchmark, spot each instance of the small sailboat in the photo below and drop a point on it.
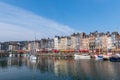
(33, 52)
(10, 55)
(33, 57)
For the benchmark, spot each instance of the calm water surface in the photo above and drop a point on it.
(47, 68)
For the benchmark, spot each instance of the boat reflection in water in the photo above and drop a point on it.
(51, 68)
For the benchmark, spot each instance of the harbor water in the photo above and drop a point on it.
(58, 68)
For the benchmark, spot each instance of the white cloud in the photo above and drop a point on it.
(19, 24)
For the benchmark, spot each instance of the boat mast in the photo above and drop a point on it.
(35, 44)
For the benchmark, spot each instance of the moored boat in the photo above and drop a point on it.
(33, 52)
(115, 58)
(33, 57)
(10, 55)
(106, 57)
(81, 56)
(98, 57)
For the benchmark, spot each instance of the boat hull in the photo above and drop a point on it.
(106, 57)
(97, 57)
(115, 59)
(10, 55)
(32, 57)
(81, 56)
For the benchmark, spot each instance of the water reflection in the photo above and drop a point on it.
(59, 69)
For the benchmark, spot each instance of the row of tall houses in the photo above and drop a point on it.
(14, 45)
(93, 41)
(76, 41)
(43, 44)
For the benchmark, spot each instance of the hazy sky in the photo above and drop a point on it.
(20, 19)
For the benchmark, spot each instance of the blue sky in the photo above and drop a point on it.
(67, 15)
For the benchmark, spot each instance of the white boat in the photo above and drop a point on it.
(117, 54)
(82, 56)
(33, 51)
(10, 55)
(33, 57)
